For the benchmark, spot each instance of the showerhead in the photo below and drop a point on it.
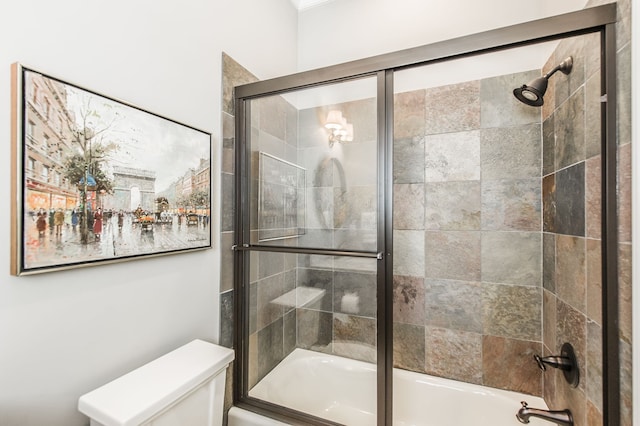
(533, 92)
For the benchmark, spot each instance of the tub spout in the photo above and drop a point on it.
(562, 417)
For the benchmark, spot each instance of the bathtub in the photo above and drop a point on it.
(344, 391)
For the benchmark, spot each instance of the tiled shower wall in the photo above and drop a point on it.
(467, 241)
(572, 235)
(572, 226)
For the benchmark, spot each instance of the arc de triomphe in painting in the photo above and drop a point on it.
(132, 188)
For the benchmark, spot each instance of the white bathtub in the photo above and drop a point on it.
(344, 391)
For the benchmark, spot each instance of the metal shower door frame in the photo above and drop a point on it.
(600, 19)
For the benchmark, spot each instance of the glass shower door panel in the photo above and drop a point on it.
(314, 167)
(312, 342)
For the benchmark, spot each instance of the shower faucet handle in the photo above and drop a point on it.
(566, 361)
(560, 362)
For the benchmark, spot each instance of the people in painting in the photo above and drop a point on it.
(97, 223)
(51, 223)
(74, 219)
(41, 222)
(120, 219)
(58, 221)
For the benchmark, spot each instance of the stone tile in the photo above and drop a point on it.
(550, 386)
(409, 255)
(567, 85)
(267, 290)
(549, 262)
(570, 131)
(511, 152)
(408, 300)
(549, 105)
(314, 330)
(573, 399)
(522, 374)
(233, 74)
(594, 280)
(570, 199)
(624, 94)
(592, 53)
(549, 313)
(549, 205)
(624, 193)
(290, 334)
(548, 146)
(362, 114)
(452, 157)
(452, 255)
(319, 212)
(408, 206)
(270, 263)
(626, 367)
(253, 360)
(499, 108)
(572, 328)
(253, 307)
(358, 161)
(319, 279)
(226, 319)
(593, 194)
(226, 261)
(511, 204)
(512, 258)
(228, 207)
(593, 133)
(266, 142)
(452, 206)
(311, 133)
(317, 238)
(408, 160)
(593, 379)
(355, 294)
(454, 305)
(354, 337)
(571, 271)
(594, 416)
(355, 207)
(625, 291)
(454, 354)
(291, 129)
(409, 347)
(270, 349)
(453, 108)
(409, 114)
(273, 115)
(512, 311)
(228, 143)
(356, 239)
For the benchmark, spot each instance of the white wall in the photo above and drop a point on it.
(64, 333)
(344, 30)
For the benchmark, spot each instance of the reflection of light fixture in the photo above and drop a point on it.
(338, 128)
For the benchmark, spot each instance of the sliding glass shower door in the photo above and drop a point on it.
(310, 247)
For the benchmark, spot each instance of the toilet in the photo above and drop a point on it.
(184, 387)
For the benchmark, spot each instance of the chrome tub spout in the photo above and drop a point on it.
(562, 417)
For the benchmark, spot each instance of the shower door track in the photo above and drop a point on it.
(600, 19)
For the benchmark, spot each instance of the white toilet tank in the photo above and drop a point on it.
(184, 387)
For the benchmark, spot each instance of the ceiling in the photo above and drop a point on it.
(306, 4)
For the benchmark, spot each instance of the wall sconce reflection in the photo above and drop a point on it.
(338, 128)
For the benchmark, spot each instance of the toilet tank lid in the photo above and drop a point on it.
(138, 395)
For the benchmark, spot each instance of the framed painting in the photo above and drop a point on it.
(98, 180)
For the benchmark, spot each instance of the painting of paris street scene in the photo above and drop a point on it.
(105, 181)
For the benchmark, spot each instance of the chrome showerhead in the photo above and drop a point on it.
(533, 92)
